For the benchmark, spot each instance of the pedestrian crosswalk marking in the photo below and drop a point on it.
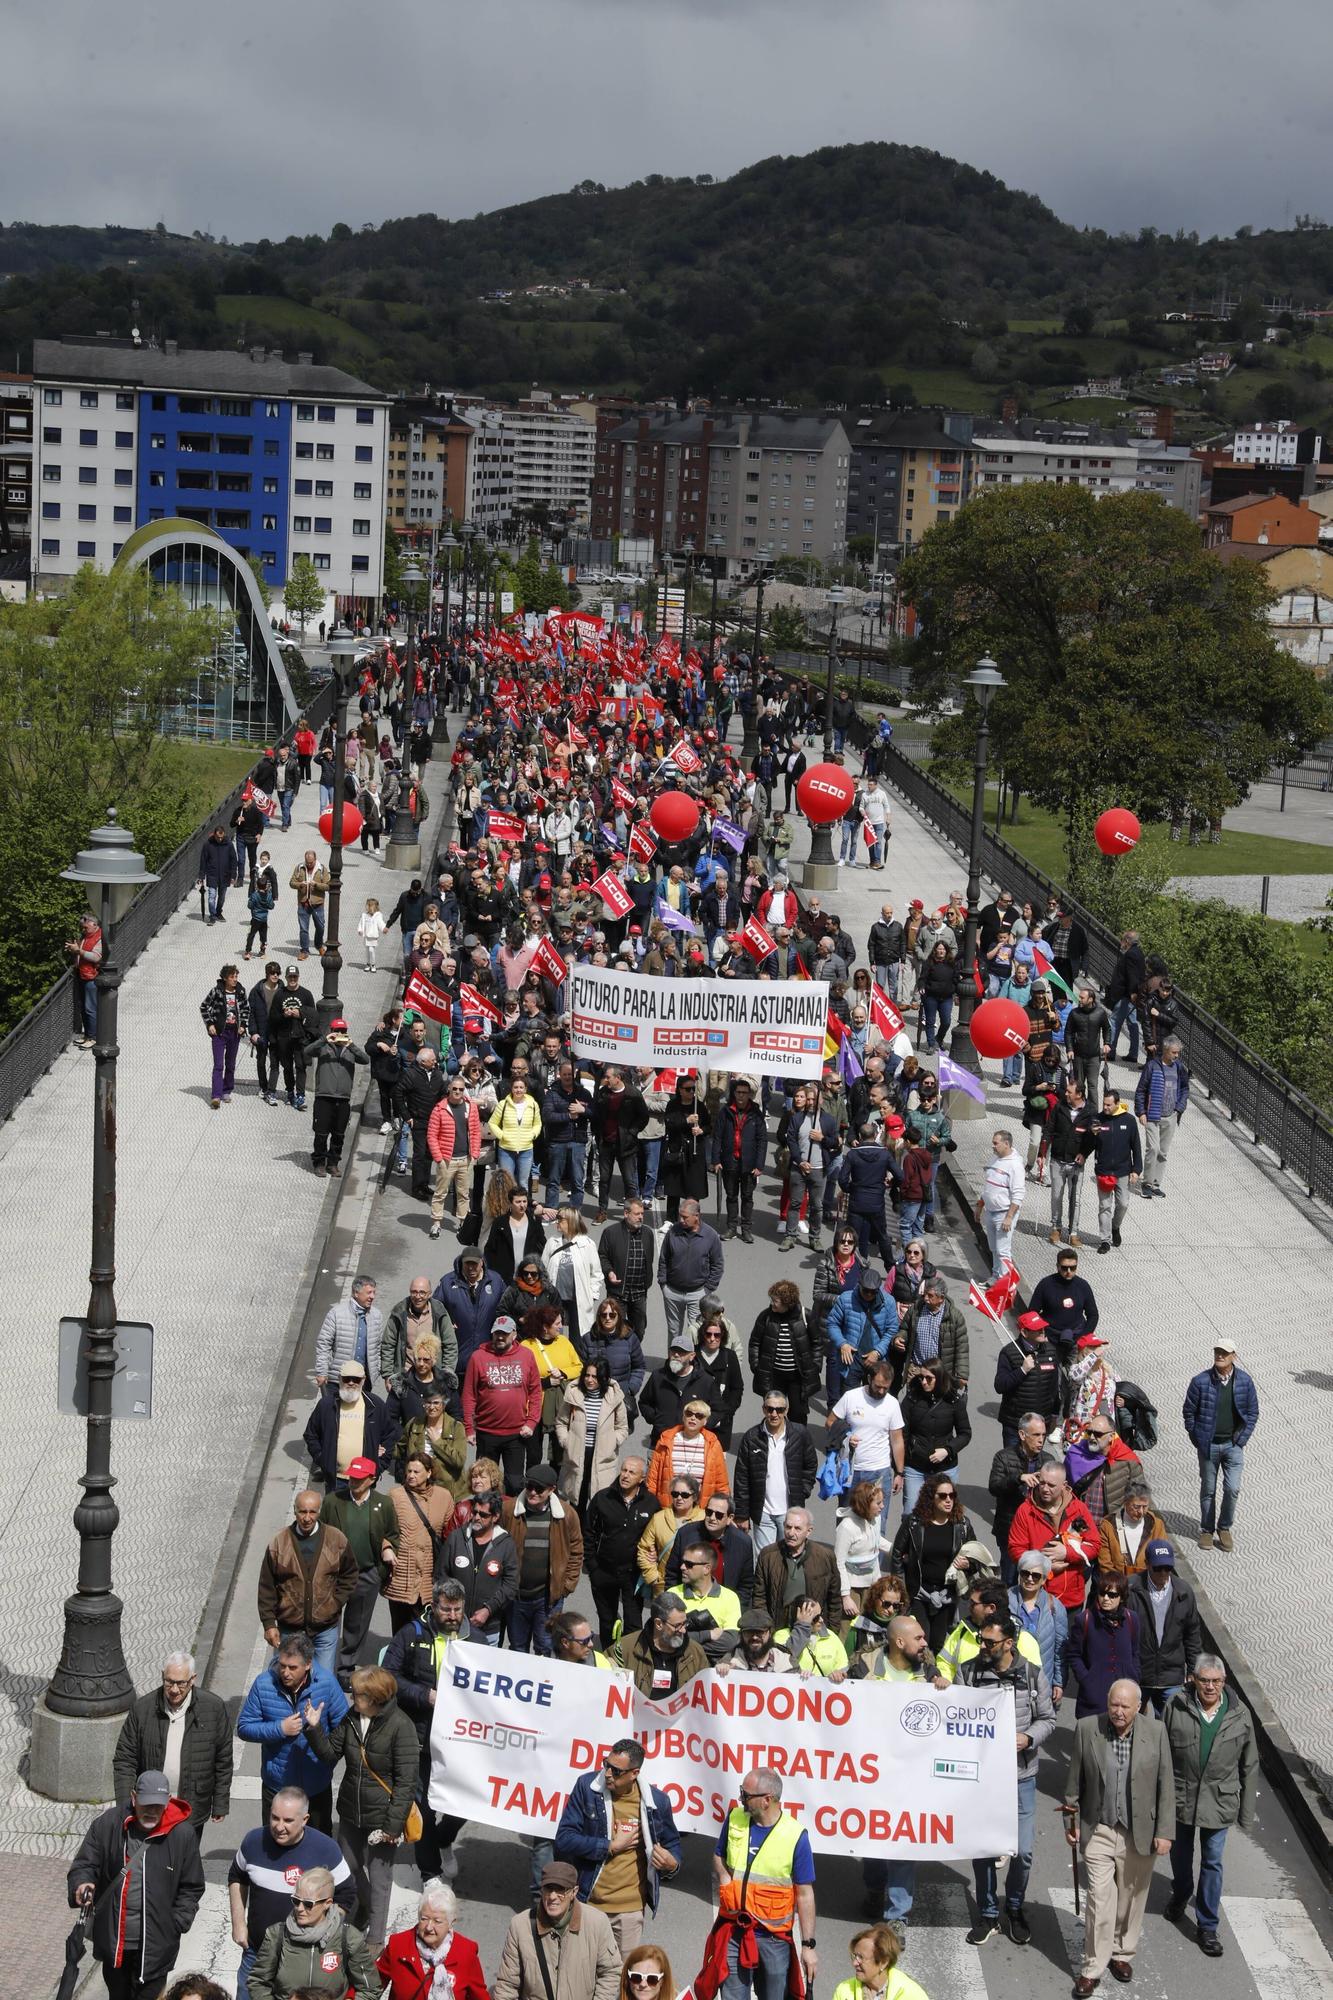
(1284, 1953)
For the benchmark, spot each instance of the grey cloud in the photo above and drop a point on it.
(286, 115)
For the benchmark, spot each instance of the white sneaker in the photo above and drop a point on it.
(803, 1228)
(387, 1126)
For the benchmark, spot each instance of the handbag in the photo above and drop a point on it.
(835, 1476)
(413, 1826)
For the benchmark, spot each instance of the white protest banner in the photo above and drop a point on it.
(774, 1027)
(868, 1768)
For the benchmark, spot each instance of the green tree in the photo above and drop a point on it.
(785, 629)
(1141, 671)
(303, 593)
(1080, 320)
(261, 581)
(83, 682)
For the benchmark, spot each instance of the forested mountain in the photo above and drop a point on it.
(821, 277)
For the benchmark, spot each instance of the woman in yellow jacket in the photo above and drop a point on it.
(515, 1125)
(558, 1361)
(875, 1975)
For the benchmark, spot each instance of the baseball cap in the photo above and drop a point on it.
(503, 1324)
(917, 903)
(352, 1367)
(338, 1026)
(871, 1279)
(1032, 1322)
(363, 1468)
(1224, 1345)
(1160, 1555)
(293, 972)
(755, 1620)
(1091, 1340)
(151, 1788)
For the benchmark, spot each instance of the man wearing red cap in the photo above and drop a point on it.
(1053, 1520)
(335, 1057)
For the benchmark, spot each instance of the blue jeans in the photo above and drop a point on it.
(525, 1622)
(768, 1980)
(1208, 1895)
(88, 1006)
(877, 851)
(243, 1972)
(839, 739)
(1159, 1697)
(562, 1153)
(1231, 1459)
(913, 1481)
(938, 1018)
(217, 897)
(326, 1648)
(896, 1882)
(652, 1153)
(517, 1164)
(1011, 1069)
(851, 835)
(909, 1218)
(325, 797)
(304, 919)
(1020, 1863)
(404, 1146)
(285, 803)
(1125, 1016)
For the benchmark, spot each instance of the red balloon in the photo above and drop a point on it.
(999, 1028)
(351, 823)
(674, 816)
(1117, 831)
(824, 793)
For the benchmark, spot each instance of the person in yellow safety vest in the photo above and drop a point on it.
(571, 1640)
(813, 1648)
(765, 1875)
(875, 1974)
(963, 1643)
(703, 1598)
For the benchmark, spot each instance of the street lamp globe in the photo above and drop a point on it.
(110, 863)
(985, 681)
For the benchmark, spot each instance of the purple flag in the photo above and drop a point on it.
(954, 1077)
(849, 1069)
(727, 830)
(675, 920)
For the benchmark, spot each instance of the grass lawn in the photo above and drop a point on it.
(214, 769)
(276, 315)
(1037, 834)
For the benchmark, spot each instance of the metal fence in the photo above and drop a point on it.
(30, 1048)
(1254, 1096)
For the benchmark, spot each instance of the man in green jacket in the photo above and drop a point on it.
(370, 1523)
(1216, 1762)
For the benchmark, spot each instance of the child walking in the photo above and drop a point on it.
(370, 929)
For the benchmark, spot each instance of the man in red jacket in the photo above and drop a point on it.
(502, 1400)
(1053, 1520)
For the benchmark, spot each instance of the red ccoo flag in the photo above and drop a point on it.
(622, 795)
(548, 960)
(613, 894)
(643, 841)
(756, 940)
(883, 1014)
(998, 1296)
(474, 1002)
(504, 826)
(428, 999)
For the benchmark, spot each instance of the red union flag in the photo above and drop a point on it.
(756, 940)
(622, 795)
(548, 960)
(504, 826)
(685, 757)
(998, 1296)
(428, 999)
(474, 1002)
(643, 841)
(883, 1014)
(612, 892)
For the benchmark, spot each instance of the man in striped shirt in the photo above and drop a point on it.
(268, 1864)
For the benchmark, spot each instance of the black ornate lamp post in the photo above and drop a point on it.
(715, 546)
(77, 1721)
(687, 550)
(342, 655)
(404, 848)
(750, 740)
(985, 681)
(821, 870)
(448, 543)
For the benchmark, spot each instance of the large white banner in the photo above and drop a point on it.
(898, 1771)
(773, 1027)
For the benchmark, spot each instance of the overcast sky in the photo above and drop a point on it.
(268, 117)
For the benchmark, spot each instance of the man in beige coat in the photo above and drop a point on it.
(575, 1941)
(1120, 1806)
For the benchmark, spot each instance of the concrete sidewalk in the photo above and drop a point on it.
(217, 1215)
(1190, 1269)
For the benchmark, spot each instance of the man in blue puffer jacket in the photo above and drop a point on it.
(470, 1294)
(272, 1715)
(861, 1324)
(616, 1826)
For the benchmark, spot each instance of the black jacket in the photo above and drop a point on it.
(422, 1090)
(764, 1336)
(737, 1557)
(611, 1531)
(1006, 1486)
(1067, 1132)
(1038, 1390)
(205, 1779)
(173, 1878)
(724, 1386)
(663, 1397)
(616, 1250)
(752, 1469)
(886, 943)
(488, 1573)
(1165, 1664)
(633, 1117)
(499, 1246)
(321, 1433)
(932, 1421)
(1119, 1150)
(410, 1658)
(1087, 1030)
(1129, 976)
(388, 1751)
(753, 1138)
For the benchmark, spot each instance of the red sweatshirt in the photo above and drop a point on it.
(501, 1392)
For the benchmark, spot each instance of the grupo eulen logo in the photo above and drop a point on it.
(920, 1718)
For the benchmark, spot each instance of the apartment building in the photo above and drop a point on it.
(427, 480)
(282, 458)
(15, 463)
(555, 450)
(739, 486)
(491, 487)
(1281, 442)
(1099, 464)
(909, 469)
